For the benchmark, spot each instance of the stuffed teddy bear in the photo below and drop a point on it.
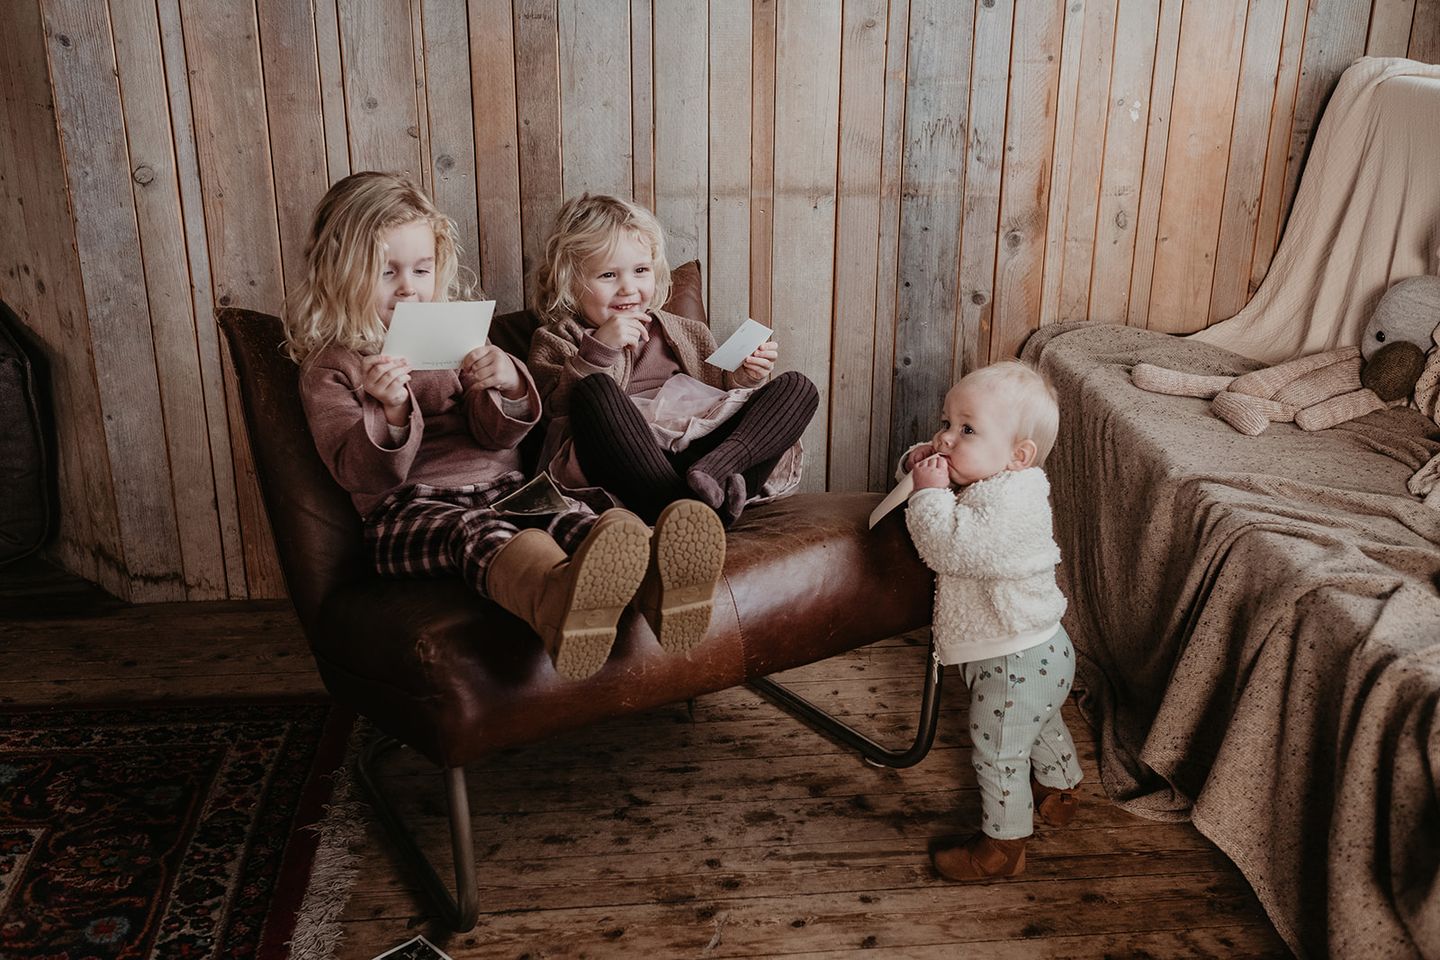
(1323, 389)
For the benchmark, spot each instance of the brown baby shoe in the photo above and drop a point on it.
(980, 858)
(1055, 806)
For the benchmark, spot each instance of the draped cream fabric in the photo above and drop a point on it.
(1367, 213)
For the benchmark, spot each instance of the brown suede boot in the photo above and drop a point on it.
(573, 603)
(1055, 806)
(980, 858)
(687, 554)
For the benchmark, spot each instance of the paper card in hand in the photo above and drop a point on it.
(538, 498)
(894, 498)
(436, 336)
(741, 344)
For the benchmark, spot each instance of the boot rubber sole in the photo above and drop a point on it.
(608, 567)
(689, 556)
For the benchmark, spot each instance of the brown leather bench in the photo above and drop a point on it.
(434, 667)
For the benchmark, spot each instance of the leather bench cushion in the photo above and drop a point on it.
(456, 677)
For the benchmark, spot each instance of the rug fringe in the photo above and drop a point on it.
(317, 926)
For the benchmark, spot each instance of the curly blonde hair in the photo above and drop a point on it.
(586, 227)
(333, 303)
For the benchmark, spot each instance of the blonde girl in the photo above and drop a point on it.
(606, 344)
(425, 454)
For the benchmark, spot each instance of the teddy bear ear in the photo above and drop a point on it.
(1408, 312)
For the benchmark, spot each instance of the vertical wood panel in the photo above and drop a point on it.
(930, 213)
(682, 128)
(857, 233)
(595, 97)
(642, 102)
(1282, 114)
(207, 340)
(984, 164)
(379, 63)
(87, 105)
(1092, 112)
(1157, 139)
(332, 89)
(1137, 25)
(1025, 202)
(43, 282)
(156, 192)
(452, 131)
(1334, 36)
(296, 123)
(1244, 181)
(762, 158)
(887, 268)
(421, 129)
(242, 232)
(729, 148)
(807, 115)
(497, 153)
(537, 107)
(1067, 94)
(1389, 34)
(1425, 32)
(1207, 72)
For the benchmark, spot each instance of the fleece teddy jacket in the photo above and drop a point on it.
(993, 551)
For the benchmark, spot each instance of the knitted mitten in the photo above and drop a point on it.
(1175, 383)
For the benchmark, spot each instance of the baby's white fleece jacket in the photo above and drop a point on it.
(992, 547)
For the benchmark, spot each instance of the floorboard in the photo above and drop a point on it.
(714, 828)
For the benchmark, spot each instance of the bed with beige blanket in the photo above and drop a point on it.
(1257, 617)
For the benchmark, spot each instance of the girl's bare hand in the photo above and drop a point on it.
(758, 365)
(489, 367)
(623, 330)
(933, 471)
(384, 378)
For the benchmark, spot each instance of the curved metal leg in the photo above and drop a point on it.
(462, 911)
(847, 736)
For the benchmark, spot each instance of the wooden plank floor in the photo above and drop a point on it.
(715, 829)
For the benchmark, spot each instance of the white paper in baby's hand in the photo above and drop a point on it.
(741, 344)
(894, 498)
(436, 336)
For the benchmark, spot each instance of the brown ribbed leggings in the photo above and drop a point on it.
(618, 451)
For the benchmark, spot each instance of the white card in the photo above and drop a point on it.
(436, 336)
(741, 344)
(894, 498)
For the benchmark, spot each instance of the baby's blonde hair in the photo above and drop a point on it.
(334, 301)
(586, 227)
(1025, 390)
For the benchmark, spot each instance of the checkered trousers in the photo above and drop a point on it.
(424, 531)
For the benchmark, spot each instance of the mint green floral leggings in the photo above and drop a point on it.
(1015, 726)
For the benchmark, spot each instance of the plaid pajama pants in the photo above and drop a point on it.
(424, 531)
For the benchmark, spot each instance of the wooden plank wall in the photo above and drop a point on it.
(903, 188)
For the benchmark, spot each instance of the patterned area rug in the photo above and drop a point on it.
(174, 831)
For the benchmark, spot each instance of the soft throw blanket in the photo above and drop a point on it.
(1259, 635)
(1366, 213)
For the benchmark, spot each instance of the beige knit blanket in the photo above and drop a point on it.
(1259, 635)
(1366, 213)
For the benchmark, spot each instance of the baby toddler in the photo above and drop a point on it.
(980, 518)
